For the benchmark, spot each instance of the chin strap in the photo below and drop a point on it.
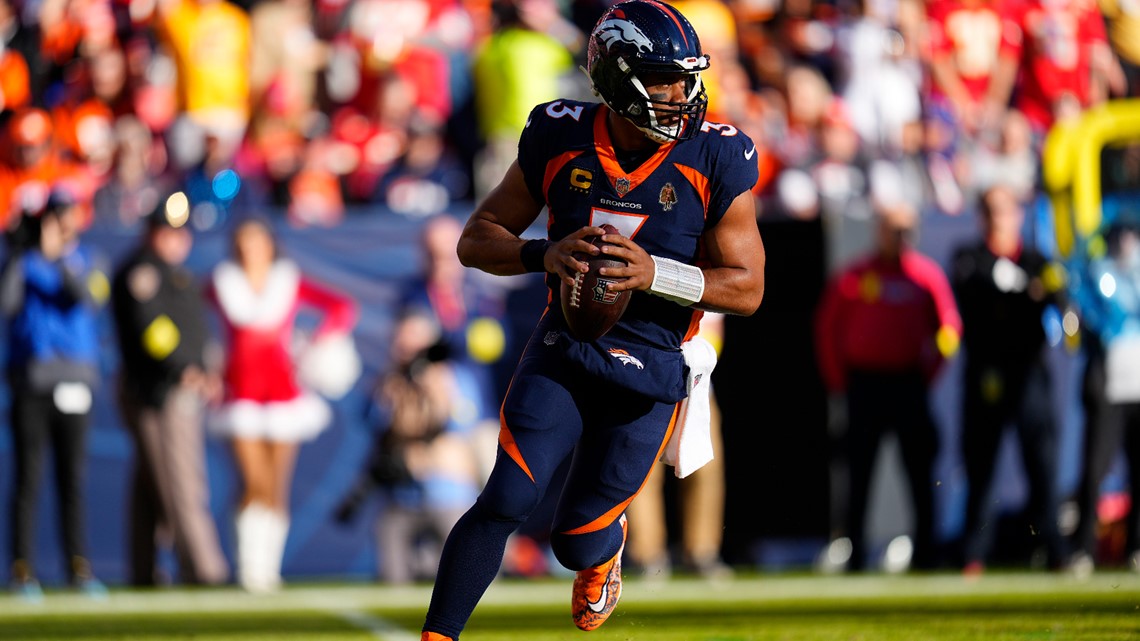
(681, 283)
(656, 135)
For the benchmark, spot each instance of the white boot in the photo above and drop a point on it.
(253, 524)
(276, 533)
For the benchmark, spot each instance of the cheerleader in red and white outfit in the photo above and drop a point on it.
(267, 413)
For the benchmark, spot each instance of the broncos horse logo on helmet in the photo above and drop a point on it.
(612, 31)
(640, 37)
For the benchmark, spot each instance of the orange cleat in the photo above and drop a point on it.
(433, 636)
(597, 589)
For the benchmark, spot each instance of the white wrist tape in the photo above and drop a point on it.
(676, 281)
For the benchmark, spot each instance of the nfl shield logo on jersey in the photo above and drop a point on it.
(621, 185)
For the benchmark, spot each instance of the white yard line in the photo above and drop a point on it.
(379, 628)
(337, 598)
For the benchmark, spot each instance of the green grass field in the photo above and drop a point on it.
(768, 607)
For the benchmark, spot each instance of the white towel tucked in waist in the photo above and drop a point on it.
(690, 446)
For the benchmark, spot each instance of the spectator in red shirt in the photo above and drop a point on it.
(884, 327)
(1063, 48)
(973, 48)
(14, 77)
(31, 163)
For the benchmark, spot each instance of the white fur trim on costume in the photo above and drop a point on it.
(300, 419)
(266, 309)
(330, 365)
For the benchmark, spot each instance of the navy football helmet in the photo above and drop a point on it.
(641, 37)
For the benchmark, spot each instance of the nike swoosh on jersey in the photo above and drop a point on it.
(600, 604)
(751, 152)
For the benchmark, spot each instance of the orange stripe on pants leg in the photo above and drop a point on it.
(604, 521)
(507, 441)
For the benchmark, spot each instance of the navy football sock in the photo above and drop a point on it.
(580, 551)
(470, 561)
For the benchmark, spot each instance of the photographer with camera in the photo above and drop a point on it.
(46, 293)
(423, 460)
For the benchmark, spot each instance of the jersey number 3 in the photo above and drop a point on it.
(557, 110)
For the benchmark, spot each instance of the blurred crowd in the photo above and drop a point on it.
(869, 116)
(316, 106)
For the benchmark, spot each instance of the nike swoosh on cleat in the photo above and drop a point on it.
(751, 152)
(600, 604)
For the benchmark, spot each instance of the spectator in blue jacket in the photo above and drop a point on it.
(52, 368)
(1109, 297)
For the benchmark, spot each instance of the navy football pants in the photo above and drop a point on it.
(551, 411)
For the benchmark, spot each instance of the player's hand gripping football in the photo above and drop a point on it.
(560, 260)
(590, 303)
(637, 274)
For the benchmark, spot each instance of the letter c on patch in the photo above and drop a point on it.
(581, 178)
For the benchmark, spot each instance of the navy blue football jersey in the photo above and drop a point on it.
(683, 189)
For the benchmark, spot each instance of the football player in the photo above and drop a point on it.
(677, 187)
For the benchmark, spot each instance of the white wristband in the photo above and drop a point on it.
(676, 281)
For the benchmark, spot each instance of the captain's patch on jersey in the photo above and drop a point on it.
(581, 179)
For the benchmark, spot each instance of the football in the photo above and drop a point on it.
(590, 308)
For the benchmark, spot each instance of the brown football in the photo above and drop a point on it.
(590, 308)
